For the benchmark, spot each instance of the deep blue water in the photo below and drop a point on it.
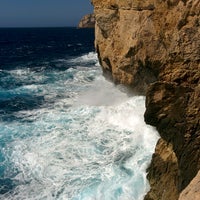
(65, 131)
(31, 45)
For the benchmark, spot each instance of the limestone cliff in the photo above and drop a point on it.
(88, 21)
(154, 47)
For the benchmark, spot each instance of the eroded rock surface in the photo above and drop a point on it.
(154, 47)
(193, 190)
(175, 111)
(141, 41)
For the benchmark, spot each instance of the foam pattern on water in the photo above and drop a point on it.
(87, 140)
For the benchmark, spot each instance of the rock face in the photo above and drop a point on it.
(154, 47)
(88, 21)
(193, 190)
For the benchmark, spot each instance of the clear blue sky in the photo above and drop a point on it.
(42, 13)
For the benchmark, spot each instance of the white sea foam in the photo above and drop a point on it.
(87, 142)
(85, 58)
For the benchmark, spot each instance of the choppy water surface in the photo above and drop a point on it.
(67, 133)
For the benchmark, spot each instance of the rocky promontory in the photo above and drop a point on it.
(88, 21)
(153, 46)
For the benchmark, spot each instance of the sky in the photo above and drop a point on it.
(43, 13)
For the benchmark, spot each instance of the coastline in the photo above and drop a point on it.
(158, 56)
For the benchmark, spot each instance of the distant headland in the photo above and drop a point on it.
(88, 21)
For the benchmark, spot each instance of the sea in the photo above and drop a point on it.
(67, 133)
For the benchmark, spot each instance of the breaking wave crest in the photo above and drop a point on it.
(75, 136)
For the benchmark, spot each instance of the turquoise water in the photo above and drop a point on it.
(88, 141)
(66, 133)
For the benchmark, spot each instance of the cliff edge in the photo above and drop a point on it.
(154, 47)
(88, 21)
